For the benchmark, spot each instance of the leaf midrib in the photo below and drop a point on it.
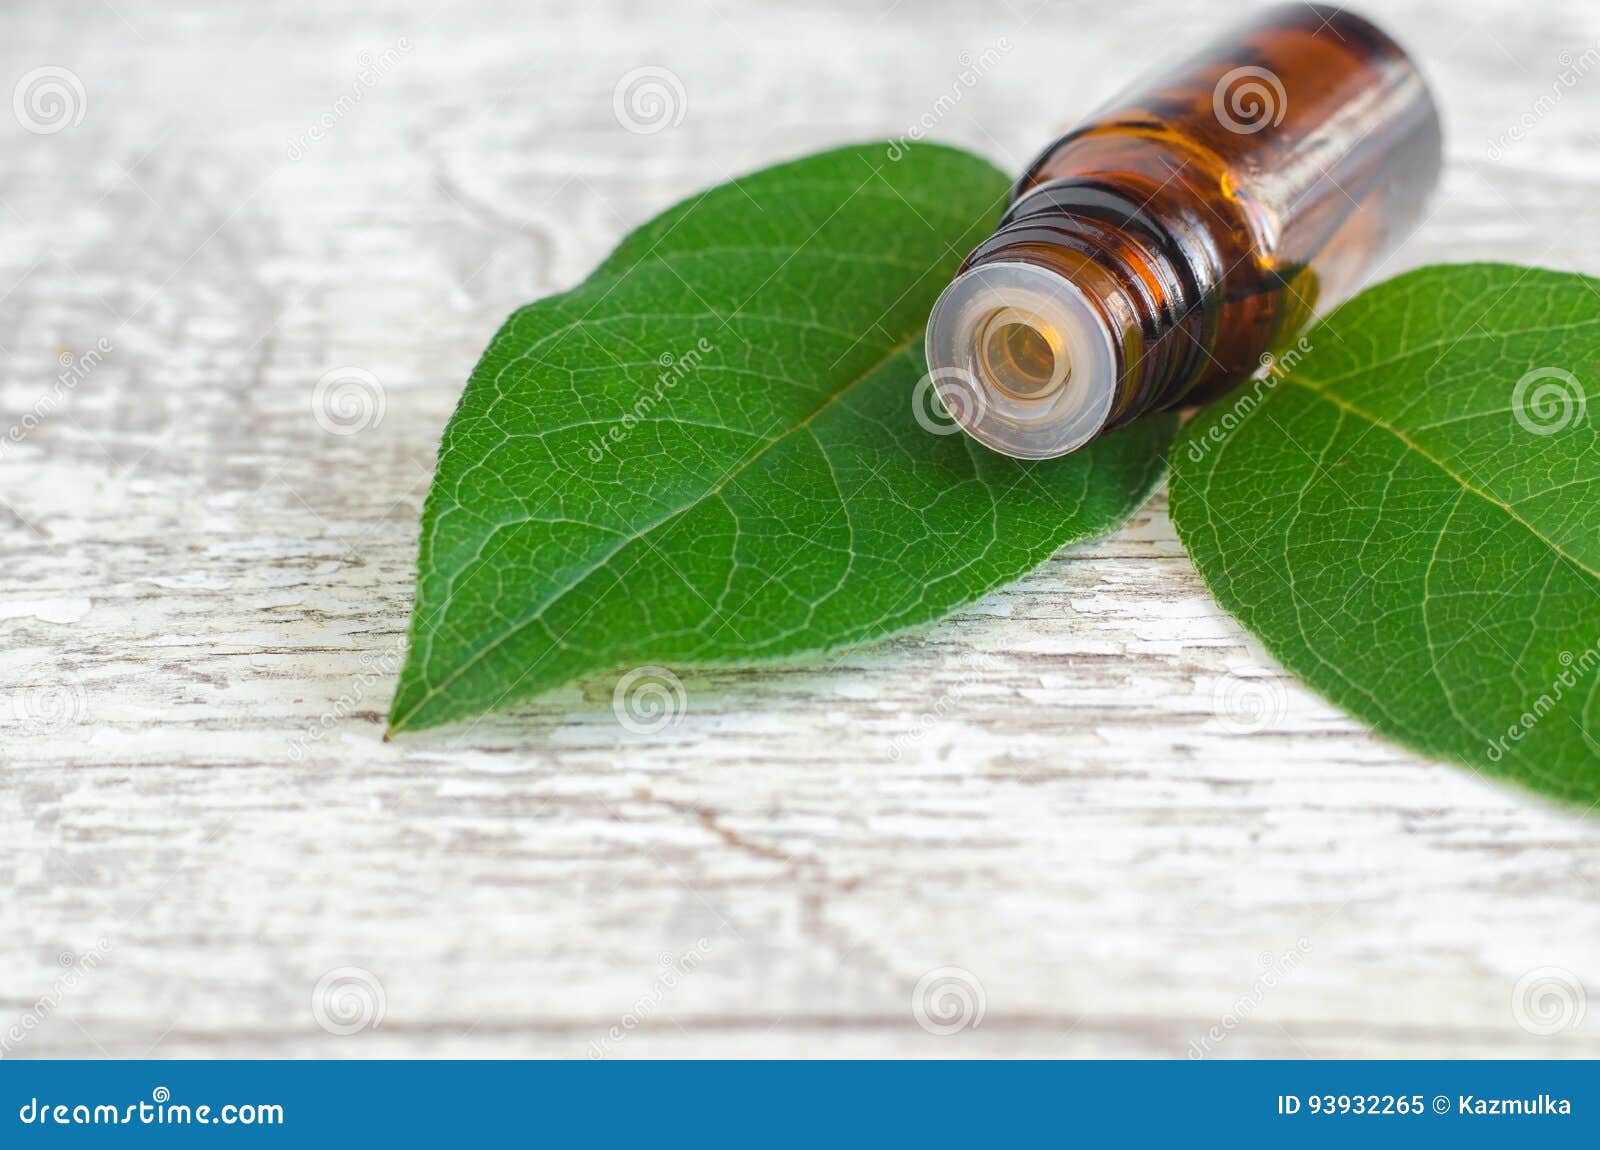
(1450, 342)
(1465, 483)
(489, 648)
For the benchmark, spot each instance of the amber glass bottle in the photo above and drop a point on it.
(1158, 250)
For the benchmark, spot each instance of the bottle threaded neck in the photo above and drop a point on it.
(1078, 314)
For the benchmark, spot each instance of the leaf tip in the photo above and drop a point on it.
(402, 712)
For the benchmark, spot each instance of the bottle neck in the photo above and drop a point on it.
(1148, 287)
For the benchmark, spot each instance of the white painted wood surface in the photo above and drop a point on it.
(1040, 792)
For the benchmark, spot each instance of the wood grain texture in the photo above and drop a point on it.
(204, 591)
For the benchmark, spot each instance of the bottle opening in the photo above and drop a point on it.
(1020, 357)
(1022, 360)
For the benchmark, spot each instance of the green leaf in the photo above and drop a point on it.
(1404, 515)
(707, 452)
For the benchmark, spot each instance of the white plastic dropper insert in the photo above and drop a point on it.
(1022, 360)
